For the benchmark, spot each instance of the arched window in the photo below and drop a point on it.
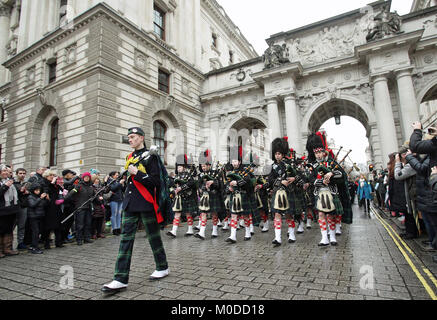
(54, 142)
(159, 130)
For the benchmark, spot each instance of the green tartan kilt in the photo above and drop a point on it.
(189, 205)
(338, 206)
(299, 203)
(246, 204)
(216, 203)
(291, 204)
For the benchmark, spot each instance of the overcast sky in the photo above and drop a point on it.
(259, 19)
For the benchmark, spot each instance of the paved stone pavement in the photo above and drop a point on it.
(213, 269)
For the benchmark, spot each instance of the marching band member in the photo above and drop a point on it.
(185, 194)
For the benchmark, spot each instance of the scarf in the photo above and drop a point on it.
(10, 195)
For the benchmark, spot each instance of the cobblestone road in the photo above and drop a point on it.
(213, 269)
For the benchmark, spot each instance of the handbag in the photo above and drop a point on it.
(107, 196)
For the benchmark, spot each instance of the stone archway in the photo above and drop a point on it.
(427, 100)
(175, 136)
(249, 133)
(326, 109)
(39, 143)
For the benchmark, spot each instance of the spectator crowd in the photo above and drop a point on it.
(73, 208)
(407, 188)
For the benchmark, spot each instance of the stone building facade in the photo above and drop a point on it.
(78, 73)
(83, 72)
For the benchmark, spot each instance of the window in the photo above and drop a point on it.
(52, 71)
(2, 115)
(214, 41)
(159, 138)
(231, 57)
(163, 81)
(159, 22)
(62, 10)
(54, 143)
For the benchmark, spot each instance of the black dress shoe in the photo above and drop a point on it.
(196, 228)
(276, 243)
(47, 246)
(79, 242)
(171, 235)
(333, 243)
(247, 239)
(230, 240)
(323, 244)
(60, 246)
(214, 236)
(291, 241)
(263, 231)
(199, 236)
(188, 234)
(252, 233)
(88, 241)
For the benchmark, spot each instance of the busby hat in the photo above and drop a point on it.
(314, 144)
(181, 160)
(136, 130)
(280, 145)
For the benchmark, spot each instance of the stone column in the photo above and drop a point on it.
(274, 122)
(214, 136)
(5, 14)
(384, 116)
(408, 103)
(292, 122)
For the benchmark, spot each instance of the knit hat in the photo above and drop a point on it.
(34, 186)
(86, 174)
(67, 171)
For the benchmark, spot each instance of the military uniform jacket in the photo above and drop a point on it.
(133, 200)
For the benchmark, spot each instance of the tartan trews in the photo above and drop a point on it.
(129, 228)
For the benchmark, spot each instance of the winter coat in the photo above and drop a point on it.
(426, 200)
(117, 191)
(396, 193)
(365, 191)
(98, 206)
(7, 213)
(36, 206)
(80, 194)
(53, 215)
(417, 145)
(22, 196)
(407, 174)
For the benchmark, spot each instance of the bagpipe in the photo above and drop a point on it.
(181, 181)
(238, 175)
(289, 172)
(213, 173)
